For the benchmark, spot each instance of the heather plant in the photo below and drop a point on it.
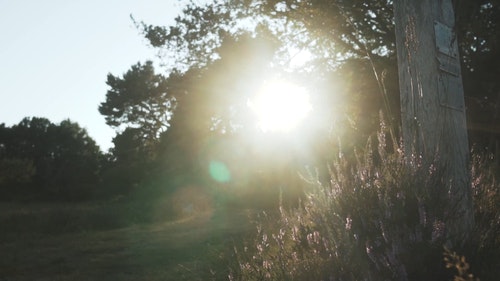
(379, 218)
(483, 247)
(459, 264)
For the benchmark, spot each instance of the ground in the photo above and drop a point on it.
(39, 242)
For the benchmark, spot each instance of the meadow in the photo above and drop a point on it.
(371, 222)
(100, 241)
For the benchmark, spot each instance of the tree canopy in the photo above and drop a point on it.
(140, 99)
(53, 161)
(334, 33)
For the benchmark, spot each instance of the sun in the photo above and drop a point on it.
(280, 106)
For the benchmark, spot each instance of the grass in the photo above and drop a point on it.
(81, 242)
(372, 222)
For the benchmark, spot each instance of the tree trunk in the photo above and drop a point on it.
(432, 103)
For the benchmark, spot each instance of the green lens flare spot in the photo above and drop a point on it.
(219, 171)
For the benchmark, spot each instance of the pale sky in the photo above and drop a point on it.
(55, 56)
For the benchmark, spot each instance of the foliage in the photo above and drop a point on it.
(334, 33)
(139, 105)
(483, 248)
(52, 161)
(15, 174)
(218, 53)
(210, 103)
(221, 52)
(359, 27)
(139, 100)
(453, 260)
(197, 33)
(360, 31)
(377, 219)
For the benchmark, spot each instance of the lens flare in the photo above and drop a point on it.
(280, 106)
(219, 171)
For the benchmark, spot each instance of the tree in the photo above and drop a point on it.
(62, 159)
(140, 99)
(129, 163)
(335, 31)
(210, 103)
(75, 157)
(358, 27)
(16, 172)
(432, 103)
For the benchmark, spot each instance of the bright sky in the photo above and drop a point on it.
(55, 56)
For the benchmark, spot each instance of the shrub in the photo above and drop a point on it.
(379, 218)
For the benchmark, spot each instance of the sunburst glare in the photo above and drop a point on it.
(280, 106)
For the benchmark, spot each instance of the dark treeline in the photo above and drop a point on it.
(40, 160)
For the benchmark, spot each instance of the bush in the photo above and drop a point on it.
(378, 219)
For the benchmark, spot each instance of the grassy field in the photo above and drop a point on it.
(94, 242)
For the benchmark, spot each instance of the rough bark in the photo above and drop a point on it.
(432, 102)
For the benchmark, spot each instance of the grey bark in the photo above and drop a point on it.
(432, 102)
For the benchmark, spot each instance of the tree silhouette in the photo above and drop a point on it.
(140, 99)
(59, 161)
